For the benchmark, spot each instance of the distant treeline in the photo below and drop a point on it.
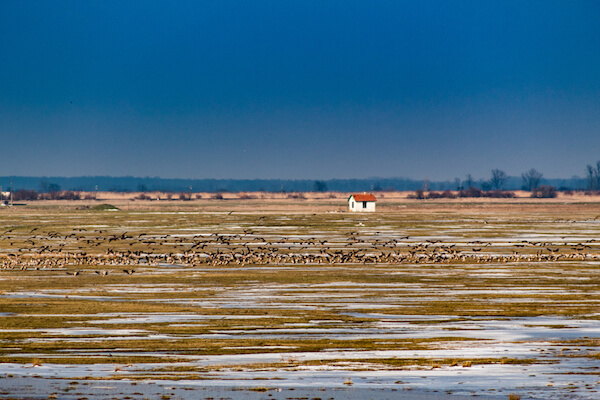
(134, 184)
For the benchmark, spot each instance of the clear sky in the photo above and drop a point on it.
(299, 89)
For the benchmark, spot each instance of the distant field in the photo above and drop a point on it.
(427, 296)
(296, 197)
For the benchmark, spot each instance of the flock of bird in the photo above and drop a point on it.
(53, 250)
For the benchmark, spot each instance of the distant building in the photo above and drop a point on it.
(362, 202)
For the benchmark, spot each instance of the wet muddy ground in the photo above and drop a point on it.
(444, 300)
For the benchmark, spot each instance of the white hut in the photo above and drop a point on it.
(362, 202)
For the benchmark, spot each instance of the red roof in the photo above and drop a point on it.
(364, 197)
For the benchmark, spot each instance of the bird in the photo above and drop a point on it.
(129, 271)
(74, 273)
(102, 273)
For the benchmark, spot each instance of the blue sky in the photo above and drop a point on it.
(299, 89)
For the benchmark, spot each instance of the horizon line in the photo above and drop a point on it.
(574, 177)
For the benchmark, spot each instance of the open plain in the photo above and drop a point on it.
(285, 298)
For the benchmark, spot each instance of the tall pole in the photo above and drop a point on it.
(11, 193)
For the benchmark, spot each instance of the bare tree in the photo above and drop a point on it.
(531, 179)
(498, 179)
(589, 176)
(469, 181)
(458, 184)
(43, 185)
(593, 176)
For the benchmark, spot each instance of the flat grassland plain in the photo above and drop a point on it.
(283, 298)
